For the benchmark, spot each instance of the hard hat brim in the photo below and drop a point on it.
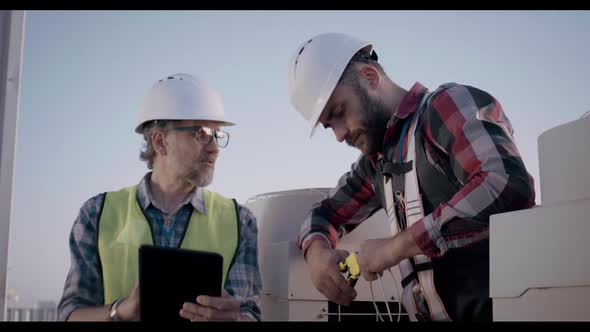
(316, 125)
(139, 128)
(331, 83)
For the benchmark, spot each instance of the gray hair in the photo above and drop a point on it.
(149, 153)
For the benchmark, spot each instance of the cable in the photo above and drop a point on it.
(374, 303)
(385, 298)
(399, 297)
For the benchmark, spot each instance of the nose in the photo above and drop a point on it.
(340, 132)
(212, 147)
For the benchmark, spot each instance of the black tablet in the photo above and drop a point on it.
(168, 277)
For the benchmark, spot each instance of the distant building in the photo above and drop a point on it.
(42, 312)
(11, 297)
(46, 305)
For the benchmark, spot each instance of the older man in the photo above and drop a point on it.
(180, 121)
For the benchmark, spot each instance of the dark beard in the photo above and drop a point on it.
(375, 121)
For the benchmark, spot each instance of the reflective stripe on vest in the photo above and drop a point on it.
(123, 228)
(419, 297)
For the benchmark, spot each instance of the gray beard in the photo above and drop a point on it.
(201, 179)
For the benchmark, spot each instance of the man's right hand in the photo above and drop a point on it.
(323, 261)
(129, 309)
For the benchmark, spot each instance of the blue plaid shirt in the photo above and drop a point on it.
(83, 286)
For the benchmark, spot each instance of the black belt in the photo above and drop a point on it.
(414, 274)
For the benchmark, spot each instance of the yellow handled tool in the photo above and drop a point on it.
(351, 269)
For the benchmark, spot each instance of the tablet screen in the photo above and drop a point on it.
(168, 277)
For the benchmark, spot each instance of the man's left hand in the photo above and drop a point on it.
(211, 308)
(377, 255)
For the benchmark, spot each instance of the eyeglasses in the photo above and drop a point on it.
(205, 135)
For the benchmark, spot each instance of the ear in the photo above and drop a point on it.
(159, 142)
(371, 75)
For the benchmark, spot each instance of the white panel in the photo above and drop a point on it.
(279, 309)
(308, 310)
(564, 162)
(279, 216)
(540, 247)
(275, 276)
(550, 304)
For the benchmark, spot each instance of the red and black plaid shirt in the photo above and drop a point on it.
(470, 128)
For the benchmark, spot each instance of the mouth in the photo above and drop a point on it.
(208, 163)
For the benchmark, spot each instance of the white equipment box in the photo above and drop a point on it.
(288, 293)
(539, 266)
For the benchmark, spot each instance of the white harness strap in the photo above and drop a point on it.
(414, 293)
(405, 266)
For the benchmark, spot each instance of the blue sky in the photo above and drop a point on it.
(85, 74)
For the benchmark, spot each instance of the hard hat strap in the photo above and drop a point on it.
(374, 55)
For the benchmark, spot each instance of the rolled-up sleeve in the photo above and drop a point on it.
(351, 202)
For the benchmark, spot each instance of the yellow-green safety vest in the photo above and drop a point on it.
(123, 228)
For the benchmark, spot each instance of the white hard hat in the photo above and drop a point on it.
(315, 69)
(181, 97)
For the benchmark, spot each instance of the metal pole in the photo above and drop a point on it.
(11, 50)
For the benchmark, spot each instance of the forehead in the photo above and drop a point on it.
(341, 93)
(204, 123)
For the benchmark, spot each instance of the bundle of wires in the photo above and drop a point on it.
(377, 313)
